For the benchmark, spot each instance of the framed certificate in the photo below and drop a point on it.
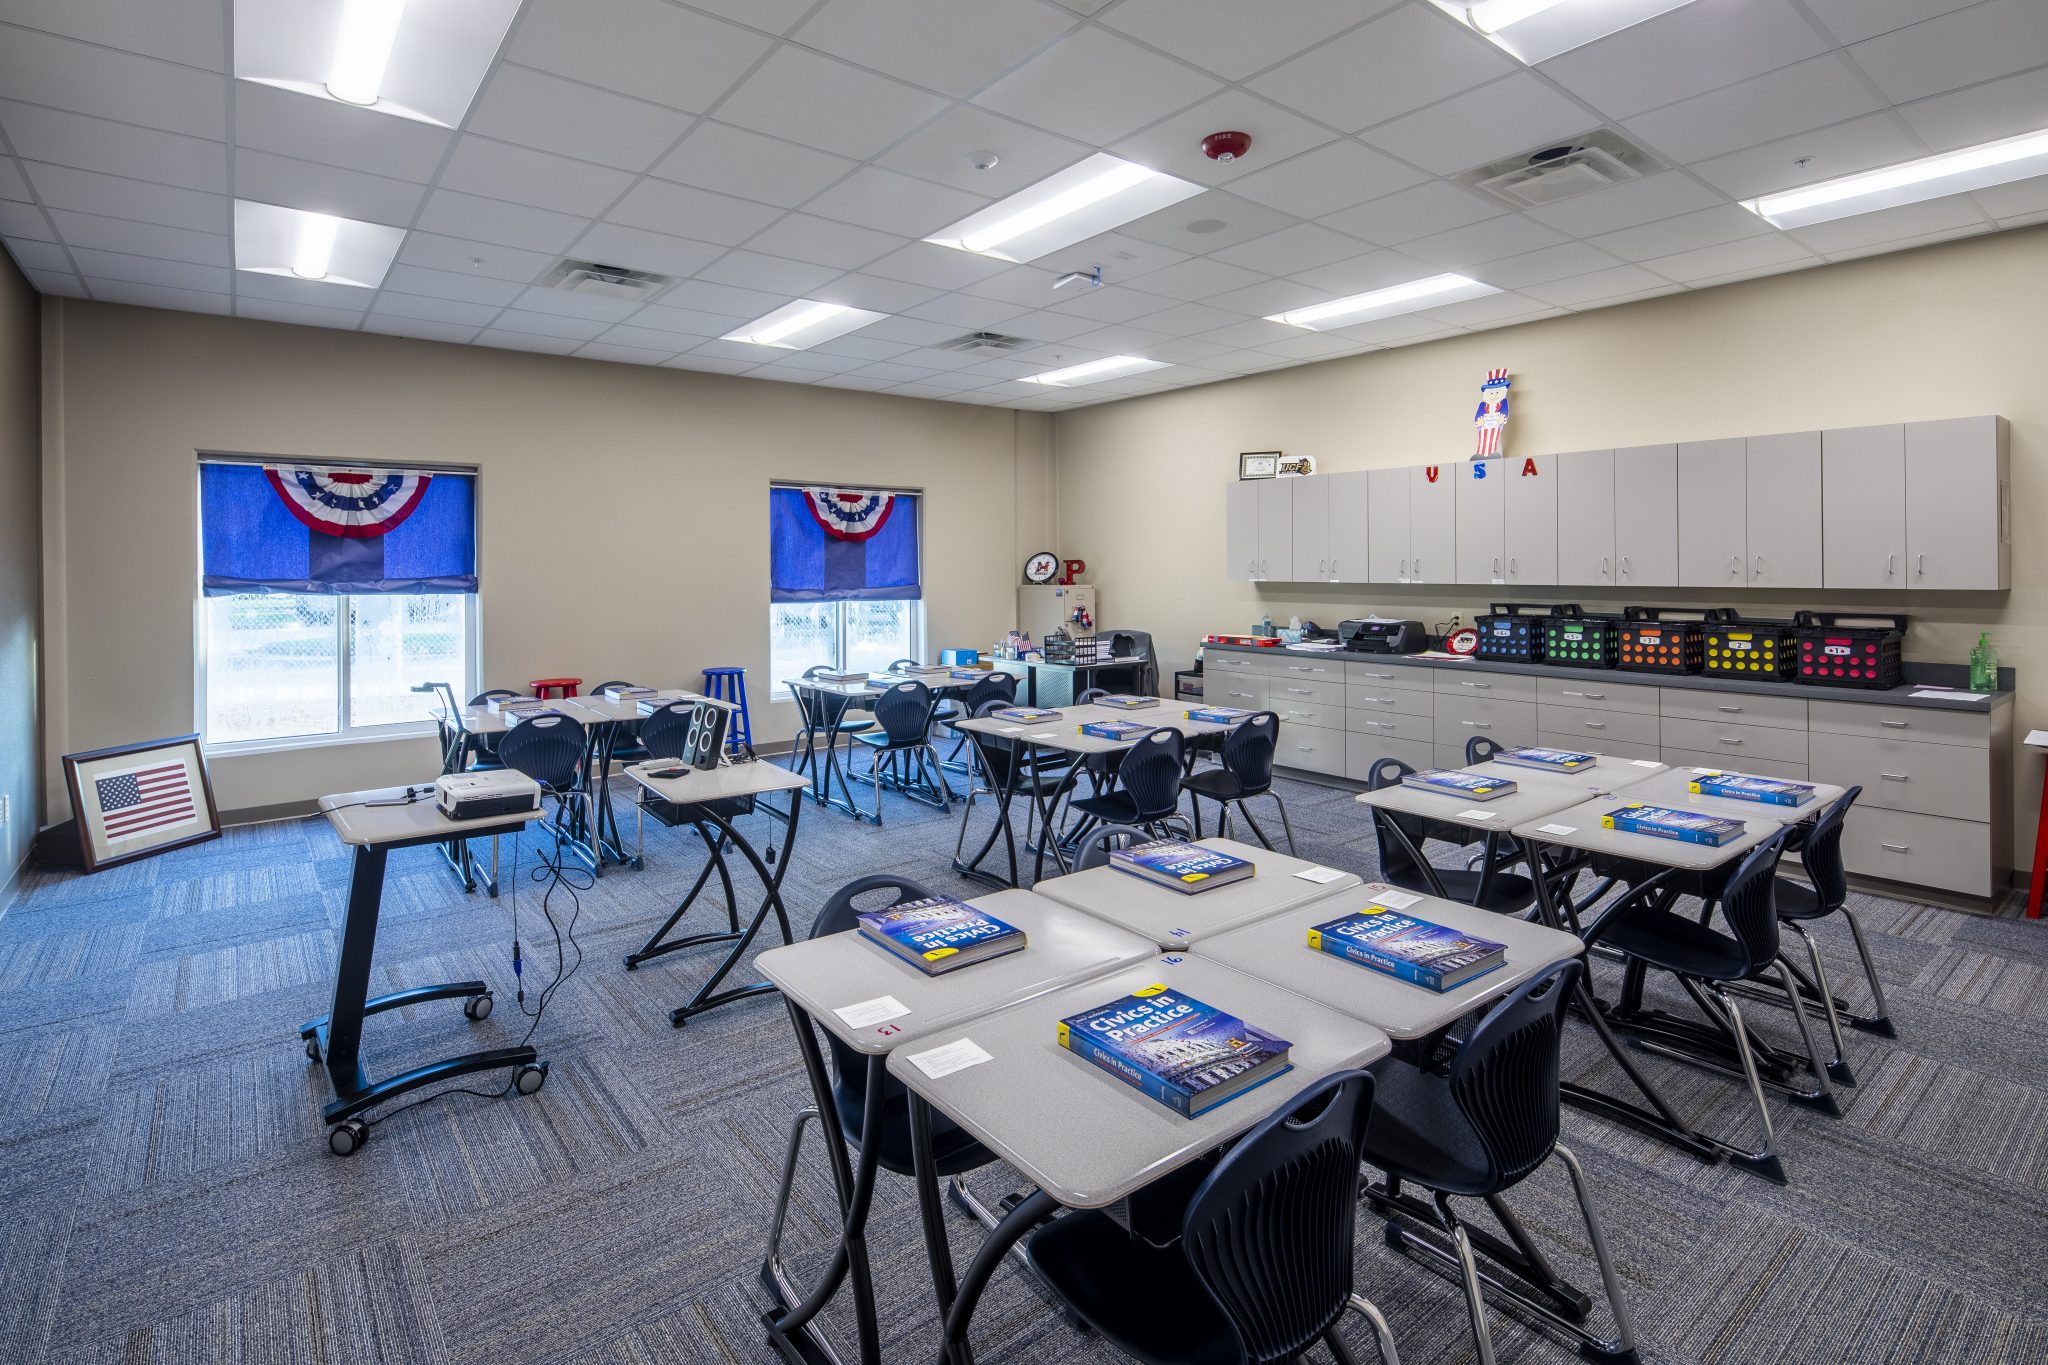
(136, 800)
(1258, 464)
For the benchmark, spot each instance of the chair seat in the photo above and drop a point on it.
(879, 739)
(1114, 808)
(1796, 900)
(1416, 1132)
(1143, 1299)
(952, 1148)
(1678, 944)
(1510, 893)
(1219, 784)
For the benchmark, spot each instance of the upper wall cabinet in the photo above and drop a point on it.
(1388, 533)
(1863, 507)
(1713, 514)
(1432, 524)
(1258, 530)
(1350, 499)
(1783, 510)
(1958, 504)
(1646, 516)
(1584, 490)
(1482, 503)
(1507, 521)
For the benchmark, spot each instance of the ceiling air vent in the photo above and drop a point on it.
(986, 343)
(1532, 179)
(606, 281)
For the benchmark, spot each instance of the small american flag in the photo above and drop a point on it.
(144, 799)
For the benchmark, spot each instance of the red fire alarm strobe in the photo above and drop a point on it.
(1226, 146)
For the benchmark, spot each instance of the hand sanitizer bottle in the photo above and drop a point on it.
(1984, 665)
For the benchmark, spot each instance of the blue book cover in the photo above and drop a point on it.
(1418, 952)
(1187, 1055)
(1456, 782)
(1184, 867)
(1768, 791)
(968, 674)
(1125, 702)
(1216, 715)
(1661, 822)
(939, 933)
(1029, 715)
(1114, 729)
(1547, 760)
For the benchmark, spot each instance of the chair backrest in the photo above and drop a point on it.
(999, 688)
(1397, 864)
(1094, 850)
(902, 664)
(815, 669)
(601, 688)
(480, 698)
(1270, 1233)
(1480, 749)
(1749, 902)
(1248, 752)
(1092, 694)
(1821, 854)
(839, 915)
(1504, 1077)
(904, 712)
(548, 749)
(1151, 772)
(663, 733)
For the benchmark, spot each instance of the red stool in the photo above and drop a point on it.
(564, 687)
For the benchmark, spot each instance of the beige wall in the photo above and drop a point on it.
(20, 564)
(623, 519)
(1947, 331)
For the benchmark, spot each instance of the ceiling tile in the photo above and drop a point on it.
(91, 144)
(1520, 113)
(1313, 345)
(1116, 303)
(1477, 243)
(527, 341)
(550, 324)
(446, 284)
(1392, 66)
(1907, 244)
(1992, 39)
(272, 179)
(735, 350)
(185, 31)
(290, 289)
(875, 294)
(297, 314)
(623, 355)
(112, 265)
(645, 48)
(1423, 211)
(954, 46)
(273, 120)
(1214, 33)
(61, 187)
(895, 373)
(716, 156)
(914, 332)
(1491, 310)
(157, 296)
(753, 270)
(824, 103)
(2016, 200)
(1188, 319)
(1791, 99)
(1121, 257)
(707, 297)
(661, 317)
(940, 267)
(1394, 331)
(770, 16)
(639, 249)
(858, 347)
(467, 256)
(397, 304)
(823, 242)
(1208, 222)
(1983, 113)
(1620, 206)
(1269, 297)
(1174, 144)
(1291, 250)
(418, 329)
(1374, 270)
(885, 200)
(964, 311)
(563, 303)
(1599, 284)
(34, 255)
(1708, 227)
(1200, 276)
(522, 175)
(139, 239)
(943, 151)
(1730, 257)
(711, 364)
(13, 184)
(806, 363)
(535, 109)
(42, 69)
(1854, 20)
(1024, 285)
(1121, 340)
(1334, 176)
(1097, 87)
(1891, 225)
(647, 339)
(1687, 51)
(56, 282)
(690, 212)
(493, 220)
(1539, 267)
(1047, 326)
(1858, 145)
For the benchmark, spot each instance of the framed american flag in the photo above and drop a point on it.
(136, 800)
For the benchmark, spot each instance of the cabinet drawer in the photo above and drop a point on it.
(1603, 745)
(1734, 743)
(1362, 751)
(1289, 690)
(1378, 697)
(1623, 727)
(1634, 698)
(1392, 725)
(1402, 677)
(1735, 708)
(1501, 686)
(1303, 666)
(1925, 850)
(1221, 661)
(1305, 713)
(1460, 718)
(1246, 691)
(1753, 764)
(1310, 749)
(1925, 724)
(1898, 774)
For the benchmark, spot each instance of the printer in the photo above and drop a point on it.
(1377, 635)
(479, 796)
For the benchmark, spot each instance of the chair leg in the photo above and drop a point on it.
(1625, 1336)
(1468, 1267)
(782, 1193)
(1881, 1022)
(1820, 1068)
(1195, 805)
(1334, 1344)
(1381, 1333)
(1839, 1066)
(939, 775)
(1765, 1159)
(1286, 825)
(1246, 812)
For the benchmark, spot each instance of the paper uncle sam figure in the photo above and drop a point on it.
(1491, 421)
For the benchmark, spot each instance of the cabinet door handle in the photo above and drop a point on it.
(1890, 564)
(1896, 848)
(1895, 777)
(1305, 748)
(1476, 724)
(1418, 566)
(1512, 570)
(1920, 565)
(1603, 566)
(1333, 571)
(1404, 568)
(1384, 701)
(1731, 710)
(1596, 725)
(1463, 683)
(1303, 691)
(1895, 724)
(1589, 696)
(1381, 724)
(1624, 565)
(1251, 566)
(1496, 566)
(1734, 565)
(1379, 675)
(1301, 668)
(1759, 573)
(1726, 740)
(1322, 566)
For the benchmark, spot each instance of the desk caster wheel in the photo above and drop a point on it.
(528, 1079)
(636, 863)
(477, 1008)
(312, 1049)
(347, 1138)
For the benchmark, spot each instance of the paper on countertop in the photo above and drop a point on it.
(879, 1010)
(1943, 694)
(2037, 738)
(1557, 829)
(1321, 876)
(1646, 763)
(943, 1061)
(1474, 815)
(1396, 900)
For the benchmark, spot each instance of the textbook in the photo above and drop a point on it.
(649, 705)
(1187, 1055)
(1768, 791)
(968, 674)
(515, 716)
(838, 678)
(1029, 715)
(1114, 729)
(1415, 950)
(1547, 760)
(1661, 822)
(1216, 715)
(627, 693)
(1454, 782)
(497, 704)
(938, 934)
(1124, 702)
(1184, 867)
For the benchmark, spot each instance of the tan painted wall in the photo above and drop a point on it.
(624, 510)
(21, 555)
(1947, 331)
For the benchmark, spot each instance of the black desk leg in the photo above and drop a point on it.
(708, 996)
(1029, 1212)
(1004, 794)
(714, 862)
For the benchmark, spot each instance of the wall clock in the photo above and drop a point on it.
(1042, 567)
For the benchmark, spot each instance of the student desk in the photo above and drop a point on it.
(1080, 676)
(1082, 1137)
(823, 704)
(611, 722)
(873, 1002)
(1670, 789)
(1175, 919)
(472, 722)
(336, 1037)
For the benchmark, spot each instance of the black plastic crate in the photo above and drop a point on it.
(1664, 639)
(1842, 649)
(1512, 633)
(1739, 647)
(1573, 639)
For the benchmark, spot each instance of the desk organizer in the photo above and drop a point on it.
(1512, 633)
(1834, 653)
(1665, 639)
(1576, 640)
(1740, 647)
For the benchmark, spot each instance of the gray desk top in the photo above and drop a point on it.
(845, 971)
(1527, 802)
(1087, 1138)
(1277, 950)
(1579, 827)
(1670, 789)
(357, 823)
(1175, 919)
(1065, 733)
(860, 691)
(601, 711)
(714, 784)
(1608, 775)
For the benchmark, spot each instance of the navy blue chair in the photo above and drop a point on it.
(904, 713)
(1826, 892)
(663, 733)
(1093, 851)
(1247, 772)
(1403, 863)
(552, 750)
(825, 713)
(1262, 1269)
(484, 748)
(1147, 792)
(998, 764)
(626, 743)
(1475, 1130)
(999, 688)
(1480, 749)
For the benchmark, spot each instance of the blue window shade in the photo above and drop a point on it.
(304, 529)
(869, 554)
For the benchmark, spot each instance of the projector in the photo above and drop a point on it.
(478, 796)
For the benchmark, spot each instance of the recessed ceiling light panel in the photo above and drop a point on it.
(1095, 371)
(1931, 177)
(273, 240)
(416, 59)
(1413, 297)
(801, 325)
(1536, 30)
(1091, 196)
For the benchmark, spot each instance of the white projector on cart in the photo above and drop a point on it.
(478, 796)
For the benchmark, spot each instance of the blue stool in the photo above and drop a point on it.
(730, 685)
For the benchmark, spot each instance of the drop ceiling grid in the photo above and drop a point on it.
(122, 142)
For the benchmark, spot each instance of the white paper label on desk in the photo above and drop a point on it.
(1042, 734)
(867, 1013)
(1474, 815)
(1011, 730)
(944, 1061)
(1707, 772)
(1646, 763)
(1321, 876)
(1557, 829)
(1396, 900)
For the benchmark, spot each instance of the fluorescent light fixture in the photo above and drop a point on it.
(1412, 297)
(1087, 198)
(271, 239)
(1112, 367)
(1931, 177)
(1536, 30)
(801, 325)
(417, 59)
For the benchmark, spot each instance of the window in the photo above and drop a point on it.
(844, 580)
(846, 636)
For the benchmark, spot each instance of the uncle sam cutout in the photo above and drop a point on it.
(1491, 421)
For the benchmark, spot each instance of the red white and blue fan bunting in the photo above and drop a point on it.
(1491, 421)
(356, 503)
(849, 513)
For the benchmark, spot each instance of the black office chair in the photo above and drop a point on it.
(1247, 772)
(999, 763)
(1000, 688)
(626, 744)
(1262, 1269)
(1477, 1128)
(1824, 893)
(902, 665)
(1090, 695)
(664, 733)
(484, 748)
(825, 713)
(1147, 792)
(552, 750)
(905, 714)
(1093, 851)
(1402, 862)
(1480, 749)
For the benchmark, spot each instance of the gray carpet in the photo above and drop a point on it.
(168, 1197)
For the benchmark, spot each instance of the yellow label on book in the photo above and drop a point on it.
(1149, 990)
(1194, 876)
(1315, 938)
(935, 954)
(1607, 822)
(1063, 1036)
(1693, 787)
